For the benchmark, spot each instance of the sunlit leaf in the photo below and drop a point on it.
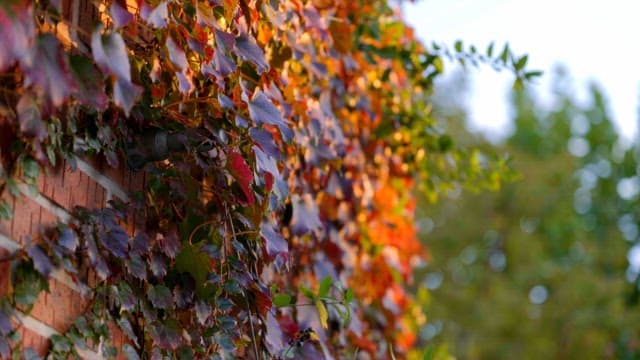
(323, 314)
(262, 110)
(242, 173)
(248, 50)
(121, 17)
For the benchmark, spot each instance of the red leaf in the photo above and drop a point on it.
(242, 173)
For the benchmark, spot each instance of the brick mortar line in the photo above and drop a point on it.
(47, 332)
(57, 210)
(106, 182)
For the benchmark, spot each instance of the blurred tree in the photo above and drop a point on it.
(537, 271)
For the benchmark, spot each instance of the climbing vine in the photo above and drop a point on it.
(280, 141)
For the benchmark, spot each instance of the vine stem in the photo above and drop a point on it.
(253, 332)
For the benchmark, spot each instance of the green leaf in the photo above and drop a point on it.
(281, 300)
(325, 285)
(490, 50)
(348, 296)
(458, 45)
(6, 211)
(307, 293)
(31, 168)
(521, 63)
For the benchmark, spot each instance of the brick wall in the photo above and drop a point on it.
(91, 185)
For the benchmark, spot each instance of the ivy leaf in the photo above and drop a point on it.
(117, 242)
(275, 243)
(176, 54)
(305, 216)
(203, 311)
(262, 110)
(125, 296)
(225, 102)
(141, 244)
(110, 53)
(130, 352)
(121, 17)
(282, 300)
(158, 265)
(242, 173)
(325, 286)
(5, 324)
(95, 258)
(17, 29)
(27, 284)
(169, 243)
(5, 350)
(125, 94)
(160, 296)
(157, 17)
(41, 261)
(137, 267)
(68, 239)
(89, 85)
(165, 336)
(50, 70)
(248, 50)
(31, 124)
(274, 338)
(222, 63)
(126, 327)
(30, 354)
(265, 141)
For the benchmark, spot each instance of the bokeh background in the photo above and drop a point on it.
(548, 267)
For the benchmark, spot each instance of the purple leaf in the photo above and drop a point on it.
(50, 70)
(125, 94)
(121, 17)
(110, 53)
(141, 244)
(248, 50)
(274, 338)
(137, 267)
(96, 260)
(117, 242)
(157, 17)
(169, 243)
(165, 336)
(275, 243)
(176, 54)
(68, 239)
(203, 311)
(225, 102)
(266, 163)
(160, 297)
(184, 292)
(5, 324)
(41, 261)
(262, 110)
(265, 140)
(89, 84)
(158, 265)
(222, 63)
(224, 40)
(5, 350)
(31, 123)
(305, 214)
(185, 84)
(17, 29)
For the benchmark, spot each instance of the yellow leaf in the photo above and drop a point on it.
(322, 313)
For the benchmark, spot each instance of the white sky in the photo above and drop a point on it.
(596, 40)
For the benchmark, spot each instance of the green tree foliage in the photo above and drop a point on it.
(539, 270)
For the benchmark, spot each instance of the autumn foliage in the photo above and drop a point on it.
(281, 141)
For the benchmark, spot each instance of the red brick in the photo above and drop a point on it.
(32, 340)
(26, 214)
(60, 307)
